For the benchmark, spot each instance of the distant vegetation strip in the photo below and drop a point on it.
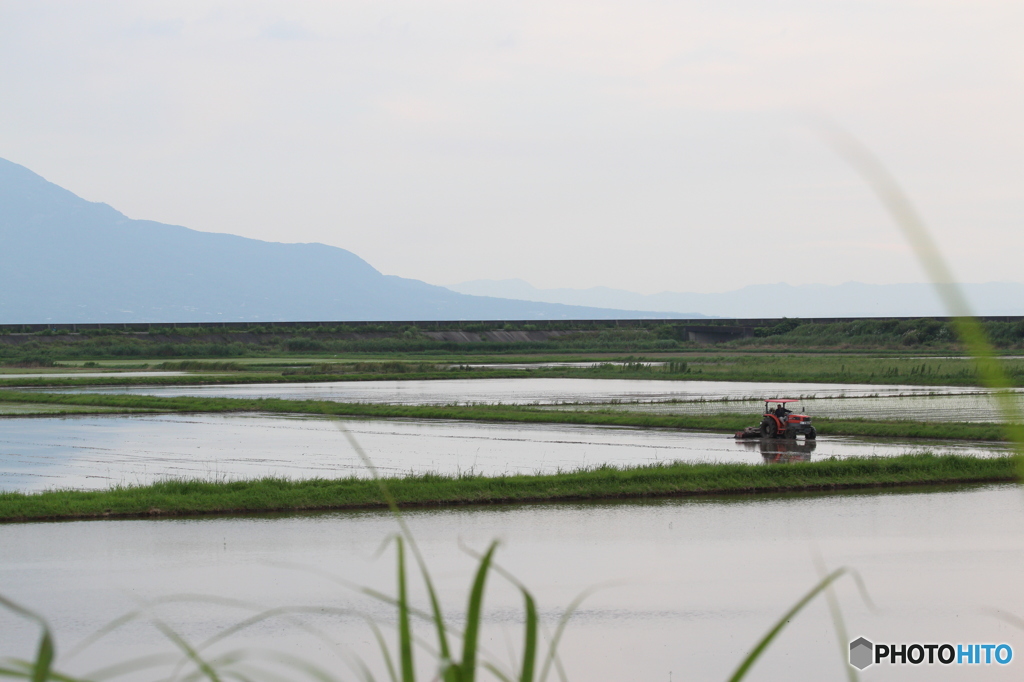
(511, 413)
(925, 335)
(554, 336)
(817, 368)
(38, 410)
(183, 497)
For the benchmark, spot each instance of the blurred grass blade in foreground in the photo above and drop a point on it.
(907, 218)
(765, 641)
(40, 669)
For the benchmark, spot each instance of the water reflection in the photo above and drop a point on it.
(781, 450)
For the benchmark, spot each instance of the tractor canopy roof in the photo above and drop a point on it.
(782, 400)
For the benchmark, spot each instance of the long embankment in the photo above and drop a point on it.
(722, 423)
(830, 369)
(181, 498)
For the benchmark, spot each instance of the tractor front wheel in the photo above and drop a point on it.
(768, 429)
(812, 434)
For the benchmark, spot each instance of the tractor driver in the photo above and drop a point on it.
(781, 411)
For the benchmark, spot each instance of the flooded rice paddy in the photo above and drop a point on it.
(856, 401)
(527, 391)
(685, 586)
(95, 452)
(962, 407)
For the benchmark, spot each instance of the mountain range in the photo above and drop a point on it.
(67, 260)
(852, 299)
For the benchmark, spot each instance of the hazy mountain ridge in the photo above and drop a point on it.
(852, 299)
(65, 259)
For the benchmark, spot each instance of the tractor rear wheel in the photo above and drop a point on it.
(768, 429)
(812, 434)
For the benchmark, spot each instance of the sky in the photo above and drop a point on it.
(640, 145)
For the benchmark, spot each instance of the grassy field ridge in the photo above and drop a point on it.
(171, 498)
(838, 369)
(677, 479)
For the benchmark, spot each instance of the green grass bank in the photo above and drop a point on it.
(172, 498)
(555, 336)
(736, 366)
(722, 423)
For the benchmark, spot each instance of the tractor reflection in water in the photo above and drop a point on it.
(782, 450)
(780, 422)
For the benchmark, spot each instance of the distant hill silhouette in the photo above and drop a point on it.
(64, 259)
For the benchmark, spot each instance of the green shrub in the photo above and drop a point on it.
(303, 343)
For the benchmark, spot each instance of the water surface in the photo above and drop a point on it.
(524, 391)
(687, 585)
(95, 452)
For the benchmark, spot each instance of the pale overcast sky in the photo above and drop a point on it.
(640, 145)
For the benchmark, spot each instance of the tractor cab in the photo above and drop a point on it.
(778, 421)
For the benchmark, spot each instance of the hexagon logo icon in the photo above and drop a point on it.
(861, 651)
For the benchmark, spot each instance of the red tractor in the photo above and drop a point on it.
(780, 422)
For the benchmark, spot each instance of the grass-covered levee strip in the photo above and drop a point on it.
(840, 369)
(182, 497)
(724, 423)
